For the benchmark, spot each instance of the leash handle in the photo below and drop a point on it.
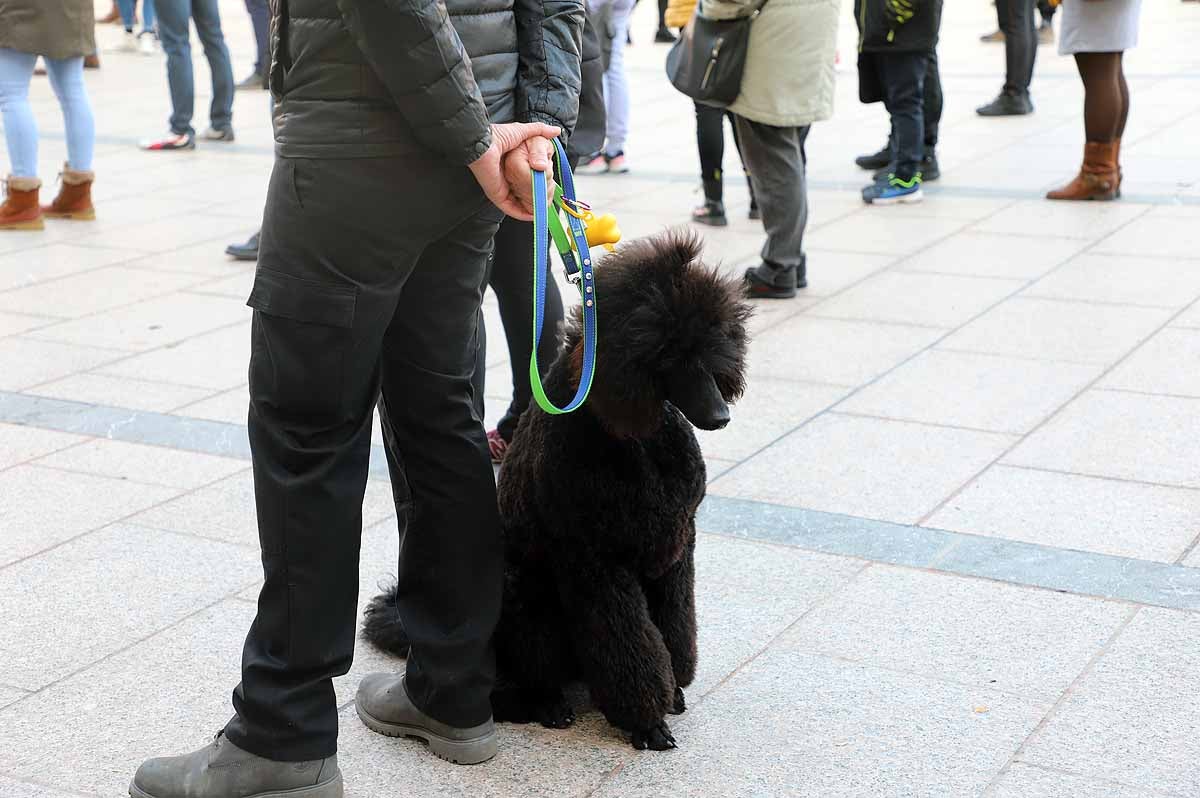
(547, 224)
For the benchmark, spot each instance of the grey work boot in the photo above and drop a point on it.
(222, 770)
(384, 706)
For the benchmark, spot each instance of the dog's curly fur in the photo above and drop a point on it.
(598, 505)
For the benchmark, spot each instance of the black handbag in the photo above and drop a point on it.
(707, 61)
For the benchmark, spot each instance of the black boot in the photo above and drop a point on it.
(1008, 103)
(711, 213)
(876, 160)
(771, 281)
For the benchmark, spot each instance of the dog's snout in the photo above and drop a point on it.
(719, 420)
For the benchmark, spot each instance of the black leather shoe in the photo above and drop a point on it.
(711, 213)
(664, 36)
(876, 160)
(247, 251)
(770, 281)
(1007, 104)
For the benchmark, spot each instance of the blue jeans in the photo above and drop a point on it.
(173, 32)
(20, 131)
(260, 18)
(128, 11)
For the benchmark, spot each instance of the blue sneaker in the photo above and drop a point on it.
(893, 190)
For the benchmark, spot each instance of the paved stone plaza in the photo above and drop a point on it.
(950, 544)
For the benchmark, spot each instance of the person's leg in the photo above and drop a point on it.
(451, 562)
(66, 78)
(149, 16)
(616, 83)
(1025, 29)
(208, 27)
(1099, 177)
(128, 13)
(20, 129)
(710, 144)
(933, 102)
(174, 33)
(511, 279)
(1124, 87)
(737, 145)
(904, 97)
(260, 18)
(776, 160)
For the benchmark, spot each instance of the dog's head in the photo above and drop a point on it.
(670, 330)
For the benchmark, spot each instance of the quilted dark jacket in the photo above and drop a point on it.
(897, 25)
(372, 78)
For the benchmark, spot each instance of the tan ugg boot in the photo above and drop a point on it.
(21, 210)
(74, 200)
(1097, 178)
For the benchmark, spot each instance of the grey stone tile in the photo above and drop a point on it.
(94, 291)
(832, 351)
(13, 323)
(1133, 718)
(171, 233)
(25, 362)
(149, 324)
(235, 287)
(44, 507)
(29, 266)
(1123, 280)
(206, 258)
(838, 729)
(1037, 216)
(166, 695)
(716, 467)
(229, 406)
(1050, 329)
(769, 409)
(1122, 435)
(9, 695)
(139, 581)
(225, 510)
(19, 443)
(1192, 560)
(11, 788)
(932, 300)
(103, 389)
(830, 271)
(988, 392)
(994, 255)
(1167, 363)
(154, 465)
(971, 631)
(216, 360)
(1153, 236)
(1189, 318)
(1026, 781)
(1124, 519)
(875, 468)
(889, 235)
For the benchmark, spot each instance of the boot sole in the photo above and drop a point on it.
(901, 200)
(77, 216)
(459, 752)
(33, 224)
(330, 789)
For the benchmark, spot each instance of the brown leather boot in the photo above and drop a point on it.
(74, 200)
(1120, 171)
(1097, 178)
(20, 210)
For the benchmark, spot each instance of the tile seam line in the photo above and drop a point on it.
(1060, 771)
(990, 790)
(1105, 477)
(1105, 372)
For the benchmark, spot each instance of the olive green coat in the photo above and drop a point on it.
(50, 28)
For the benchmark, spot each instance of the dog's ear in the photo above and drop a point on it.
(677, 247)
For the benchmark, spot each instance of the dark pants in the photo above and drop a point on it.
(174, 33)
(932, 107)
(260, 18)
(902, 77)
(778, 163)
(511, 278)
(368, 286)
(710, 144)
(1020, 43)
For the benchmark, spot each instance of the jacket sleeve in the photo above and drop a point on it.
(417, 54)
(549, 34)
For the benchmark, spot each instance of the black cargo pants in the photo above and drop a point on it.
(369, 280)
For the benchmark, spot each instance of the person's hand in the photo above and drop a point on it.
(535, 153)
(489, 168)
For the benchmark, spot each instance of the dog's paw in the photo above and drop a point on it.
(556, 715)
(680, 704)
(655, 738)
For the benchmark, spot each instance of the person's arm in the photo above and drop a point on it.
(418, 55)
(549, 36)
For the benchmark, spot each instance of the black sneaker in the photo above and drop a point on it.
(246, 251)
(929, 170)
(711, 213)
(876, 160)
(1007, 104)
(770, 281)
(664, 36)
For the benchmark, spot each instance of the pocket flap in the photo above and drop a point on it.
(298, 299)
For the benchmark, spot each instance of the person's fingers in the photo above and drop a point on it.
(538, 158)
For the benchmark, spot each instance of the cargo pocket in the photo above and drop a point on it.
(301, 333)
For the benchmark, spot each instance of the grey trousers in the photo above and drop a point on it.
(775, 158)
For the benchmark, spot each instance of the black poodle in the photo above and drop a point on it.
(599, 505)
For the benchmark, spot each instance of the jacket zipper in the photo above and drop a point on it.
(712, 63)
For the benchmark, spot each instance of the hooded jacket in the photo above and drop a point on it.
(899, 26)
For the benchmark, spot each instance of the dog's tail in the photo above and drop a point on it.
(381, 624)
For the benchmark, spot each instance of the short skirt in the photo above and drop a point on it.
(1098, 26)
